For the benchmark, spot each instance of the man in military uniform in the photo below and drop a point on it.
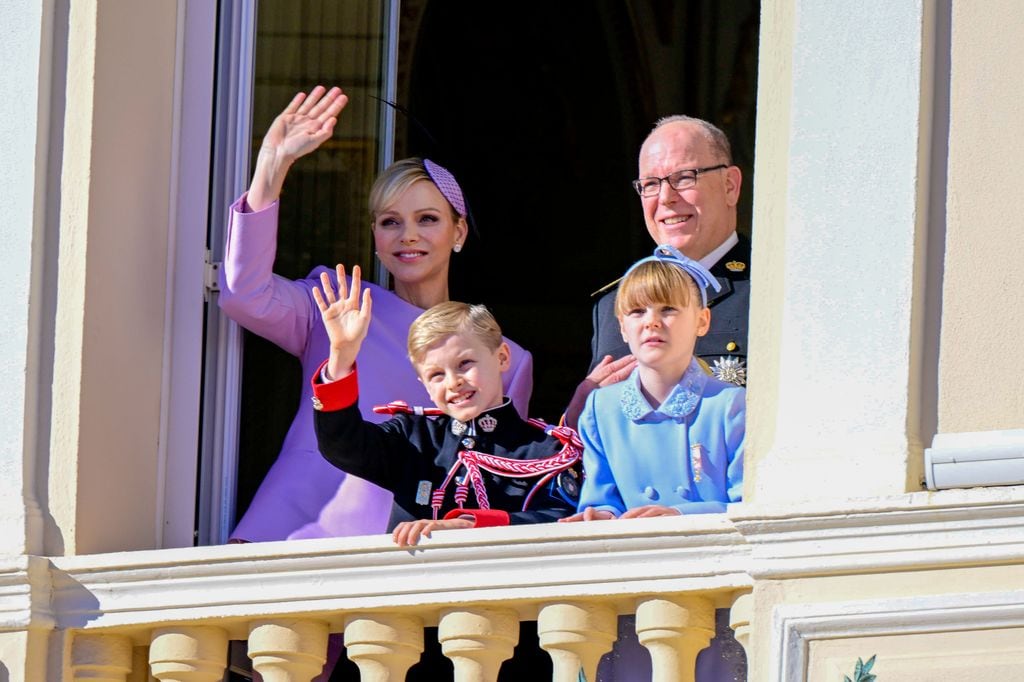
(688, 191)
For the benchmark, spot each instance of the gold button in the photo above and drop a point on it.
(731, 346)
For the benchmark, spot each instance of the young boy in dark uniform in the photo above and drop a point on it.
(468, 463)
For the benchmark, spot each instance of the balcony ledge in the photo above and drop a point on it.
(522, 566)
(715, 555)
(947, 529)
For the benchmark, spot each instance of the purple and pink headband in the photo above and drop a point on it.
(447, 184)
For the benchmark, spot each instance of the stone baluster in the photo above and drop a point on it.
(288, 649)
(478, 640)
(188, 653)
(576, 635)
(674, 631)
(101, 658)
(383, 645)
(740, 616)
(140, 665)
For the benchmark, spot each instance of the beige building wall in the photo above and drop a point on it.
(110, 309)
(978, 656)
(909, 644)
(23, 655)
(962, 316)
(983, 284)
(840, 225)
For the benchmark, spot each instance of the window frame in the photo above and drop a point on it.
(200, 495)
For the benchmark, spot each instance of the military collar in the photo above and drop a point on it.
(683, 399)
(735, 263)
(485, 422)
(729, 261)
(711, 260)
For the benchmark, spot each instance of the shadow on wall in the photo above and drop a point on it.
(5, 676)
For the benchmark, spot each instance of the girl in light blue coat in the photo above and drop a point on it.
(669, 439)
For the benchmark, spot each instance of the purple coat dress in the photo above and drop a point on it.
(303, 496)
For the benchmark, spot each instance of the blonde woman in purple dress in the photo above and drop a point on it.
(418, 219)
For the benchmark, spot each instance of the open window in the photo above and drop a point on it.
(539, 111)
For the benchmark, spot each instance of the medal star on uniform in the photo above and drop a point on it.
(730, 369)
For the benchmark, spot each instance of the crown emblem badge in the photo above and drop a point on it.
(487, 423)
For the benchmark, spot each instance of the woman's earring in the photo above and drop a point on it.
(457, 247)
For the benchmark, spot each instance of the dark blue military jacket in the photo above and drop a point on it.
(724, 347)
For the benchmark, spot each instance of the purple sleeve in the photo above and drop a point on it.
(278, 309)
(519, 379)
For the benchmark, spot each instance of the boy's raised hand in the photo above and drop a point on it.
(345, 320)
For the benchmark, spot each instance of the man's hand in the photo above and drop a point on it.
(605, 373)
(588, 514)
(650, 511)
(344, 319)
(408, 533)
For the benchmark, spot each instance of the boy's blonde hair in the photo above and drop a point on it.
(448, 318)
(656, 282)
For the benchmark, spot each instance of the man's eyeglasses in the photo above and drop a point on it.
(681, 179)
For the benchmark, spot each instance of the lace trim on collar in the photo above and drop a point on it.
(683, 399)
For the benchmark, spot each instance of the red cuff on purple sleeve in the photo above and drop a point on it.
(484, 518)
(336, 395)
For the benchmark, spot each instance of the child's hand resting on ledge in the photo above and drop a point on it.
(588, 514)
(408, 533)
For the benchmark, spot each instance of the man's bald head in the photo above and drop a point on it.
(698, 219)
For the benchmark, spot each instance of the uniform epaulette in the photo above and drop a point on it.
(606, 287)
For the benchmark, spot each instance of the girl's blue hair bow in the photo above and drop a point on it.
(697, 272)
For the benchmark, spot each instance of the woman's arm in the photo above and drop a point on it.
(277, 309)
(307, 122)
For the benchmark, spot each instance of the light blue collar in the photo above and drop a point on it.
(683, 399)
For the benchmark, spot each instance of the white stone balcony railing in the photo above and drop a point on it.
(176, 610)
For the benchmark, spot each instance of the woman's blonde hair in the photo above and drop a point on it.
(452, 317)
(395, 180)
(655, 282)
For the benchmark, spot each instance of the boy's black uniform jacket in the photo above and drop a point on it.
(407, 449)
